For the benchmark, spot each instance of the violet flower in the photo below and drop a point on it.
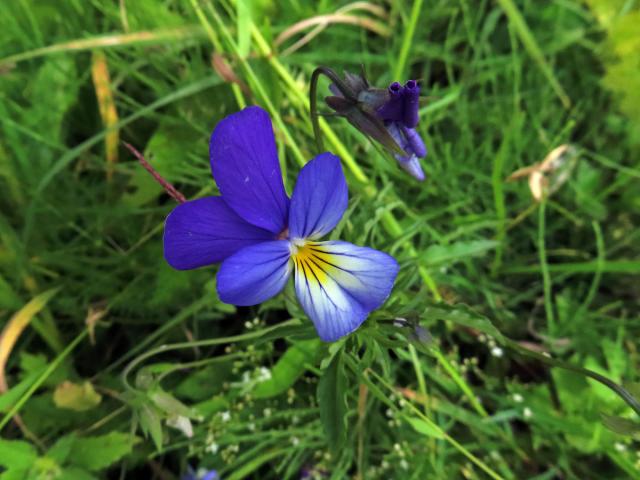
(200, 474)
(387, 116)
(400, 115)
(262, 237)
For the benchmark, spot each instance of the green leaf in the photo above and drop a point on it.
(439, 254)
(74, 473)
(462, 315)
(151, 424)
(619, 425)
(169, 404)
(61, 449)
(244, 27)
(17, 455)
(76, 397)
(288, 368)
(331, 399)
(424, 428)
(96, 453)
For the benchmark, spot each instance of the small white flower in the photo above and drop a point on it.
(527, 413)
(265, 374)
(213, 448)
(620, 447)
(497, 352)
(267, 412)
(295, 441)
(404, 464)
(225, 416)
(517, 398)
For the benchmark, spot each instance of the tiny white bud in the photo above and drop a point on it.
(497, 352)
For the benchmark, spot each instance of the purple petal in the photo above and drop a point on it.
(254, 274)
(409, 162)
(338, 284)
(206, 231)
(244, 162)
(414, 142)
(319, 198)
(392, 110)
(411, 97)
(412, 166)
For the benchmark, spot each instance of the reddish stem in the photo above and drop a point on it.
(170, 189)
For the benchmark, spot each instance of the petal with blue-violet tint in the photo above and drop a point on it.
(244, 163)
(339, 283)
(319, 198)
(254, 274)
(411, 96)
(205, 231)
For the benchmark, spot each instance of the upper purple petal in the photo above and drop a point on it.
(254, 274)
(205, 231)
(411, 97)
(319, 198)
(392, 110)
(244, 162)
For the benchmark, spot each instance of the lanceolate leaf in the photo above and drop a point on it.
(288, 369)
(331, 399)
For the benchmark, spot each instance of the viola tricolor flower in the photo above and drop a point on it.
(387, 116)
(263, 238)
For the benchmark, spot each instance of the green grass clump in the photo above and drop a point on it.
(87, 302)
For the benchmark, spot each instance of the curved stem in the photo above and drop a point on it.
(618, 389)
(346, 91)
(198, 343)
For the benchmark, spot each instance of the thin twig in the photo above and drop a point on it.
(170, 189)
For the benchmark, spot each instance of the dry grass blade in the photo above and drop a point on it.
(107, 41)
(226, 72)
(320, 22)
(107, 106)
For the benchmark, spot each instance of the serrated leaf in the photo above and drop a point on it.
(439, 254)
(424, 428)
(151, 425)
(76, 397)
(462, 315)
(96, 453)
(619, 425)
(331, 400)
(288, 369)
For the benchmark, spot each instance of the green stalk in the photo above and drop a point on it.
(398, 71)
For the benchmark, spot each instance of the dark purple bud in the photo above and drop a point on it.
(355, 82)
(335, 90)
(374, 98)
(411, 95)
(340, 104)
(414, 142)
(392, 110)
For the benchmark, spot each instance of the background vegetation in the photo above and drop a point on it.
(84, 289)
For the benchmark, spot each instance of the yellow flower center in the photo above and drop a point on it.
(310, 259)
